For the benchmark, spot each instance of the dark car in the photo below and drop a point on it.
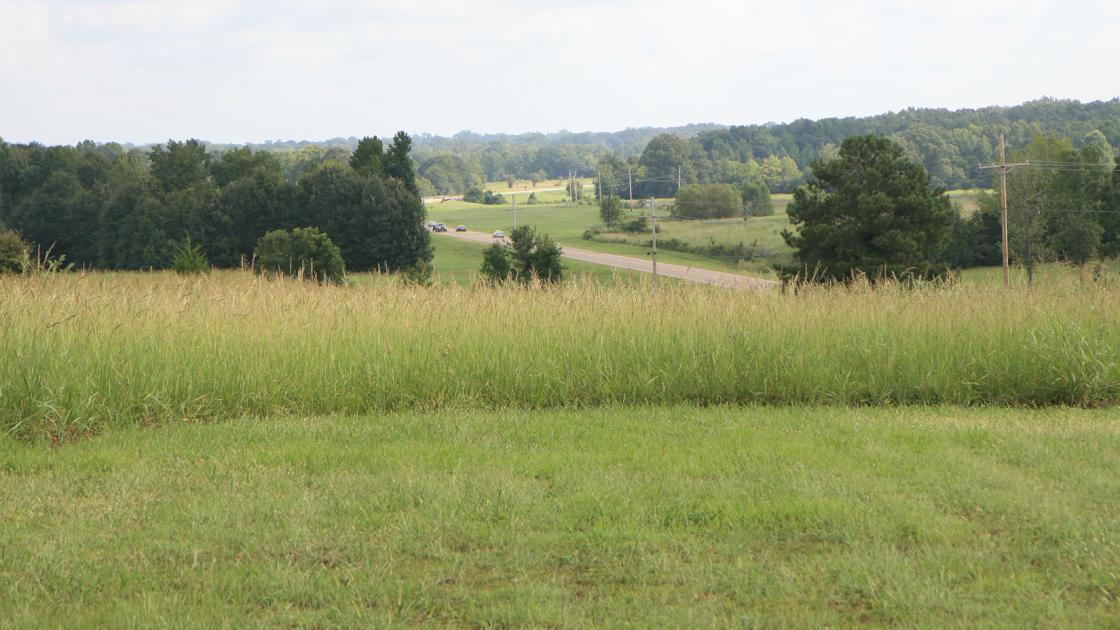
(460, 228)
(439, 227)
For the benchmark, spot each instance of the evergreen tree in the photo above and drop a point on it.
(869, 211)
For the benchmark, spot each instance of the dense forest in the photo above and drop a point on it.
(950, 144)
(107, 207)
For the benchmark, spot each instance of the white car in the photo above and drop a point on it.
(498, 234)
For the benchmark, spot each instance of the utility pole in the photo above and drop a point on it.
(513, 196)
(630, 181)
(599, 178)
(1003, 166)
(653, 220)
(678, 177)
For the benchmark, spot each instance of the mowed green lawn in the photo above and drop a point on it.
(653, 517)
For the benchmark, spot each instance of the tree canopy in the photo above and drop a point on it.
(872, 211)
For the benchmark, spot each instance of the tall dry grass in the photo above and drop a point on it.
(79, 352)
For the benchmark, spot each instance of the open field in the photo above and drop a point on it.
(1047, 275)
(652, 517)
(566, 224)
(526, 185)
(81, 353)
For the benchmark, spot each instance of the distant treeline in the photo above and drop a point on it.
(107, 207)
(950, 144)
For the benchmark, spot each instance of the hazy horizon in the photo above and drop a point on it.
(237, 71)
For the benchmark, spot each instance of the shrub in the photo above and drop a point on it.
(419, 274)
(190, 259)
(13, 253)
(475, 194)
(302, 252)
(497, 264)
(535, 256)
(756, 199)
(708, 201)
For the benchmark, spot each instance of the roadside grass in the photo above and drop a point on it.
(80, 353)
(457, 262)
(644, 516)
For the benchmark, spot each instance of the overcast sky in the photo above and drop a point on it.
(252, 70)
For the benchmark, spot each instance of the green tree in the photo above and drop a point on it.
(302, 252)
(756, 198)
(869, 211)
(1078, 239)
(610, 209)
(179, 164)
(253, 204)
(497, 264)
(708, 201)
(61, 216)
(529, 256)
(368, 157)
(13, 253)
(377, 223)
(398, 161)
(236, 163)
(661, 159)
(780, 173)
(189, 259)
(131, 234)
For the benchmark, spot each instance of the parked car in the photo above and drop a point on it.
(460, 228)
(439, 227)
(498, 234)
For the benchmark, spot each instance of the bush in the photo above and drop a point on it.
(13, 253)
(419, 274)
(190, 259)
(475, 194)
(756, 199)
(497, 264)
(708, 201)
(529, 256)
(302, 252)
(535, 256)
(635, 225)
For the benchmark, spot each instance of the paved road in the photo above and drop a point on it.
(682, 272)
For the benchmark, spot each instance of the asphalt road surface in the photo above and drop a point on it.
(645, 265)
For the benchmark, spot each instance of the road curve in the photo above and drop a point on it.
(691, 274)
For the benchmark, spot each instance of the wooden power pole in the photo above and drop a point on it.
(1003, 166)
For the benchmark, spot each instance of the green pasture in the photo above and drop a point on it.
(566, 223)
(526, 185)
